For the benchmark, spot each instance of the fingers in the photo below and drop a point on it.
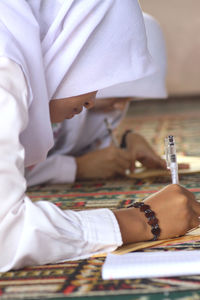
(195, 221)
(187, 199)
(120, 160)
(161, 163)
(122, 165)
(142, 151)
(126, 161)
(120, 170)
(152, 161)
(176, 209)
(195, 205)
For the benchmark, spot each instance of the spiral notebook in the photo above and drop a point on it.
(151, 264)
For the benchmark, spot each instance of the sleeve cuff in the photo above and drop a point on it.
(102, 230)
(69, 166)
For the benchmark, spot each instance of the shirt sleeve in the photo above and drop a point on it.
(92, 135)
(39, 232)
(56, 169)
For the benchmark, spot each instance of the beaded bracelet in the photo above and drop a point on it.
(150, 215)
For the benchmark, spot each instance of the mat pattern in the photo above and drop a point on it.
(83, 278)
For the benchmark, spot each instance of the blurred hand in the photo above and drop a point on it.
(103, 163)
(141, 151)
(175, 208)
(112, 161)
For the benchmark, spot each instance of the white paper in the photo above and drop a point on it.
(151, 264)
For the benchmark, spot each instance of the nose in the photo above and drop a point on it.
(89, 103)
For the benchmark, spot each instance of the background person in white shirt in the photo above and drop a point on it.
(83, 149)
(52, 61)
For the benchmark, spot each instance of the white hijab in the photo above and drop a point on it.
(68, 48)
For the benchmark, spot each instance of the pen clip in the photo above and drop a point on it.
(167, 152)
(170, 151)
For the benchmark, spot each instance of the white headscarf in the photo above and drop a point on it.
(154, 85)
(68, 48)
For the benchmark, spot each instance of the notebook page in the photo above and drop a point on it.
(151, 264)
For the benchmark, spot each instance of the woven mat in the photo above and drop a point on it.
(83, 278)
(185, 129)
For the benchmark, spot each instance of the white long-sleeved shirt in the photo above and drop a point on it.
(39, 232)
(84, 133)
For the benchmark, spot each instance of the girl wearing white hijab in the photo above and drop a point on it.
(52, 61)
(82, 145)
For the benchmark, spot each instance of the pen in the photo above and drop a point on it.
(110, 131)
(114, 140)
(171, 160)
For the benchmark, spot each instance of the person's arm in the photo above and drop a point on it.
(39, 232)
(74, 138)
(56, 169)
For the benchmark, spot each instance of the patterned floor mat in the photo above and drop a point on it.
(83, 278)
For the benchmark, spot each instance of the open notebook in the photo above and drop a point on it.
(151, 264)
(193, 161)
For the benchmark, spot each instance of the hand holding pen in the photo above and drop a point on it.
(171, 159)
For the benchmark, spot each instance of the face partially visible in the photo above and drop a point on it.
(67, 108)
